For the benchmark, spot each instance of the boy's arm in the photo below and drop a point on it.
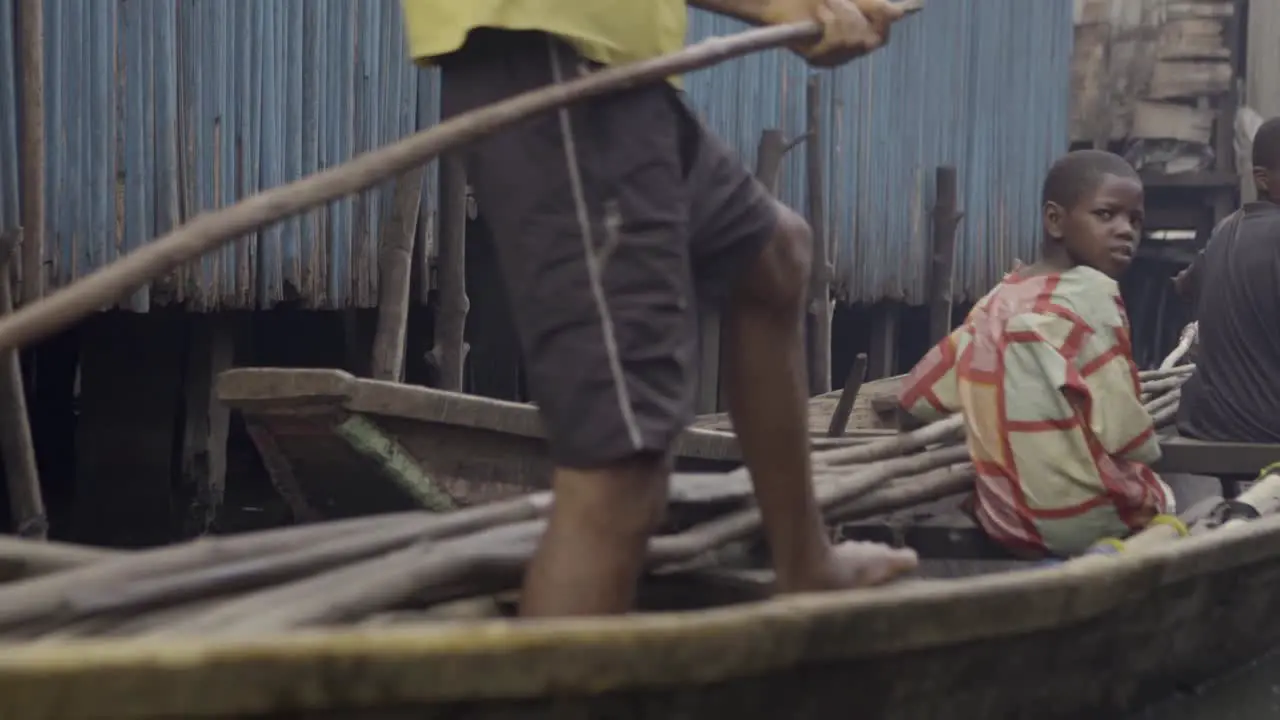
(930, 391)
(1118, 419)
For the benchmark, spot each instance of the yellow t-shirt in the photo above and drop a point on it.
(611, 32)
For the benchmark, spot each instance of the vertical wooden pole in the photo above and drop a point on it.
(19, 455)
(450, 351)
(820, 280)
(883, 358)
(844, 406)
(31, 61)
(942, 257)
(769, 159)
(395, 266)
(210, 352)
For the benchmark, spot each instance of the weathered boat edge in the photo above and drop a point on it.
(266, 390)
(515, 661)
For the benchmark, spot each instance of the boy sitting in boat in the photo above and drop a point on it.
(1234, 395)
(611, 219)
(1042, 371)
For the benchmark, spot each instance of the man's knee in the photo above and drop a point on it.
(627, 497)
(779, 278)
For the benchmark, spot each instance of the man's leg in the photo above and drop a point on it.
(589, 217)
(592, 554)
(768, 403)
(754, 252)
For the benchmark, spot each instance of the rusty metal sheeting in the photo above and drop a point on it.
(158, 110)
(980, 84)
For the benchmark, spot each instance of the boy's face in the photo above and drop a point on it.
(1104, 228)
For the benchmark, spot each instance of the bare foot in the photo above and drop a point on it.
(854, 565)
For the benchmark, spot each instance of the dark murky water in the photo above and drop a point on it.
(1250, 694)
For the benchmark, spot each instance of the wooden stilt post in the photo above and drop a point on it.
(210, 352)
(395, 266)
(450, 351)
(946, 217)
(19, 455)
(883, 358)
(820, 282)
(32, 154)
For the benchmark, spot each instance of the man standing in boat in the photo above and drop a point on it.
(612, 220)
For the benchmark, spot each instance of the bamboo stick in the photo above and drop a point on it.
(367, 587)
(1165, 416)
(1147, 375)
(1186, 341)
(947, 430)
(1166, 404)
(249, 573)
(21, 559)
(45, 597)
(933, 485)
(376, 585)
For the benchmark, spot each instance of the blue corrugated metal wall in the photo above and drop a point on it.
(156, 110)
(980, 84)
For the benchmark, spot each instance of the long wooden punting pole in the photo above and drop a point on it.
(211, 230)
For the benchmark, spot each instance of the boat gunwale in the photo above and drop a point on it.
(272, 390)
(514, 660)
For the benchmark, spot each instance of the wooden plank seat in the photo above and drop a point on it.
(1236, 460)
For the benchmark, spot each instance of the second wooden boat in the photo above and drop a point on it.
(337, 445)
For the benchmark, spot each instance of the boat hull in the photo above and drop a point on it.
(1093, 638)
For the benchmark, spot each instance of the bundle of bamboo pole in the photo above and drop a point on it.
(350, 570)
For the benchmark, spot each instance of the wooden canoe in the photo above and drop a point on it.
(975, 635)
(1089, 638)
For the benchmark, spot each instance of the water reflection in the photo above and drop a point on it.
(1250, 694)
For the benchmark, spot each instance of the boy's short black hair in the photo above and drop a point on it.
(1266, 145)
(1077, 174)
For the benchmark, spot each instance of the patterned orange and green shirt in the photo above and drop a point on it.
(1042, 370)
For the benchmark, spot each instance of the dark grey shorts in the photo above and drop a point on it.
(607, 316)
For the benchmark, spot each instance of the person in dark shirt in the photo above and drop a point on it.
(1234, 393)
